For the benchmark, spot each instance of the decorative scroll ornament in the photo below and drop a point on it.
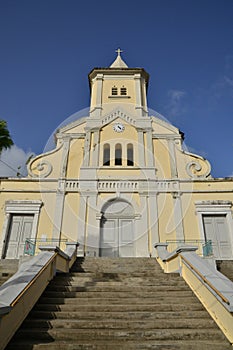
(42, 169)
(193, 168)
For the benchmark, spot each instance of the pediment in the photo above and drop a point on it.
(118, 113)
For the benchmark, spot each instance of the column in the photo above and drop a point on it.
(149, 150)
(93, 227)
(153, 221)
(82, 214)
(95, 147)
(141, 149)
(138, 94)
(58, 214)
(142, 228)
(98, 106)
(87, 145)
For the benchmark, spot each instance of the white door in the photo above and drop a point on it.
(20, 229)
(108, 238)
(116, 238)
(126, 238)
(215, 228)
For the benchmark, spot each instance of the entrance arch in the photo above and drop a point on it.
(117, 229)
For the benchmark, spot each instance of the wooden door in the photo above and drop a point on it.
(20, 229)
(215, 228)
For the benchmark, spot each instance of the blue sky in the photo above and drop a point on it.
(48, 47)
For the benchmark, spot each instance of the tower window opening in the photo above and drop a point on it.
(118, 154)
(114, 91)
(123, 91)
(130, 160)
(106, 157)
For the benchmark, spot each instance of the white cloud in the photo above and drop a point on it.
(13, 162)
(175, 104)
(228, 80)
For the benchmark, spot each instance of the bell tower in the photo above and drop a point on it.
(118, 85)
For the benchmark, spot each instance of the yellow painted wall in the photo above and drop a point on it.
(75, 158)
(107, 91)
(162, 160)
(71, 217)
(166, 217)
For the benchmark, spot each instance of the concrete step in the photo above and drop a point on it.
(106, 315)
(185, 323)
(118, 308)
(79, 281)
(124, 345)
(69, 335)
(72, 291)
(113, 300)
(125, 304)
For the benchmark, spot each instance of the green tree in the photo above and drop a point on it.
(5, 138)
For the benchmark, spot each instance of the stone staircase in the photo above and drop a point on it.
(7, 269)
(118, 304)
(226, 268)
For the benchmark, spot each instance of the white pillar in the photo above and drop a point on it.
(141, 149)
(153, 221)
(149, 150)
(95, 147)
(138, 94)
(92, 230)
(172, 157)
(99, 87)
(81, 238)
(87, 145)
(59, 206)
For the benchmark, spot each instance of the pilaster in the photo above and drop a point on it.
(141, 152)
(95, 148)
(58, 213)
(178, 216)
(172, 157)
(138, 95)
(87, 145)
(149, 150)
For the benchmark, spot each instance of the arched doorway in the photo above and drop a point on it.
(117, 229)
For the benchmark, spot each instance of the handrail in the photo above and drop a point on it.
(20, 292)
(224, 299)
(213, 289)
(34, 279)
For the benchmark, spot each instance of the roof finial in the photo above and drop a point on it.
(118, 51)
(119, 63)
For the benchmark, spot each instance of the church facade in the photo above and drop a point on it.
(118, 181)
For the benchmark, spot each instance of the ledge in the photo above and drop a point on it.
(118, 96)
(13, 287)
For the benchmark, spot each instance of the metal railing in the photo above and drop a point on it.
(205, 248)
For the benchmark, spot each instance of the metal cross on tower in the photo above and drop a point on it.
(119, 51)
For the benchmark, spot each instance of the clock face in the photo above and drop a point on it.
(118, 127)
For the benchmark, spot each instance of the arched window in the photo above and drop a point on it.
(106, 157)
(114, 91)
(123, 91)
(130, 160)
(118, 154)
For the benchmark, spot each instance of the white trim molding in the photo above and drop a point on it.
(215, 207)
(22, 207)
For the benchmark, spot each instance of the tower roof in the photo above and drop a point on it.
(119, 63)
